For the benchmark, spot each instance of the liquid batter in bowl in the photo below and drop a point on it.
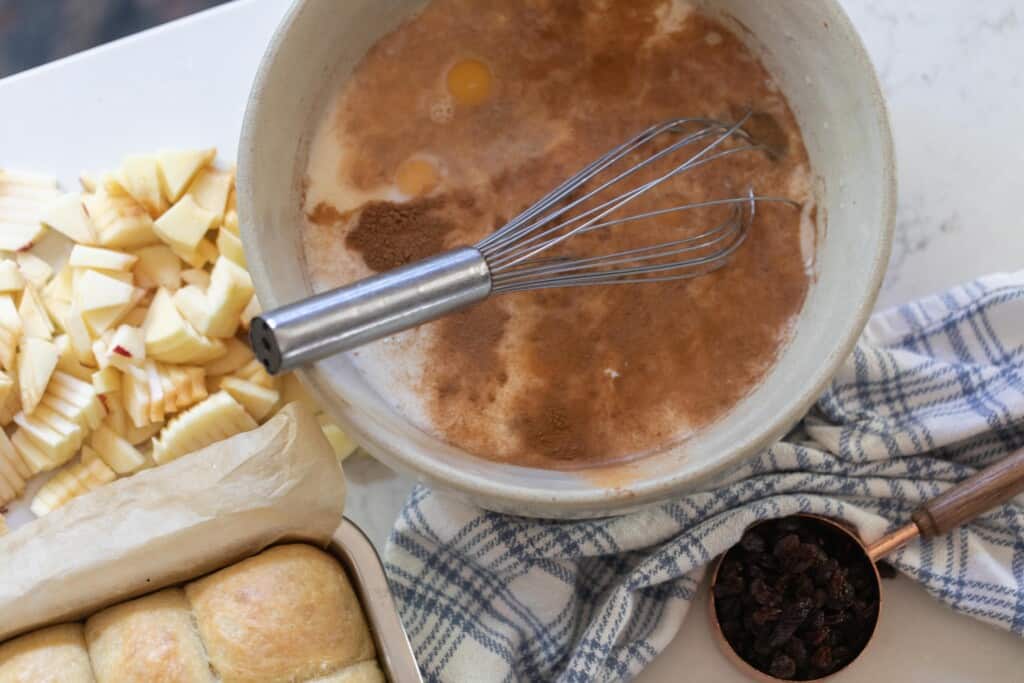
(474, 109)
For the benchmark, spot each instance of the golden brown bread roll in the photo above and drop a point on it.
(50, 655)
(363, 672)
(288, 614)
(149, 640)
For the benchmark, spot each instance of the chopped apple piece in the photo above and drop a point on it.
(56, 438)
(230, 246)
(158, 266)
(88, 181)
(12, 470)
(37, 360)
(24, 197)
(184, 225)
(129, 342)
(140, 176)
(67, 215)
(112, 185)
(11, 279)
(179, 168)
(120, 221)
(157, 397)
(196, 276)
(30, 453)
(34, 269)
(8, 348)
(96, 291)
(116, 451)
(205, 253)
(67, 360)
(61, 287)
(216, 418)
(253, 371)
(35, 320)
(86, 407)
(210, 190)
(251, 310)
(102, 320)
(9, 317)
(78, 335)
(229, 293)
(172, 339)
(100, 259)
(238, 354)
(342, 444)
(12, 406)
(10, 456)
(258, 401)
(135, 394)
(72, 481)
(6, 387)
(191, 303)
(106, 381)
(58, 310)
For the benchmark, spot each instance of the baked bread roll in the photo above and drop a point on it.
(149, 640)
(363, 672)
(288, 614)
(50, 655)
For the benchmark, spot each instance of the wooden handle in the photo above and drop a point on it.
(987, 489)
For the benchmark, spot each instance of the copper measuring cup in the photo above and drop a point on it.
(989, 488)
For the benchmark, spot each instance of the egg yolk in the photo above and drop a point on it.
(416, 177)
(469, 82)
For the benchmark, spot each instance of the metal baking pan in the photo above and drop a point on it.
(359, 558)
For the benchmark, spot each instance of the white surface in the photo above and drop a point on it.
(951, 69)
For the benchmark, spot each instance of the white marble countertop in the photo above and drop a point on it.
(951, 72)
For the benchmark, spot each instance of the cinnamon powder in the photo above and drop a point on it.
(388, 235)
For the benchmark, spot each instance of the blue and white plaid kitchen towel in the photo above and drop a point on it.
(934, 391)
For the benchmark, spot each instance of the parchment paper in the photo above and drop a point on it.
(173, 523)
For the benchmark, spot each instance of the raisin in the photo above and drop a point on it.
(786, 546)
(822, 659)
(766, 615)
(782, 666)
(796, 649)
(752, 542)
(763, 594)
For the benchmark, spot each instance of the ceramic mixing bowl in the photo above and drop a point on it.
(819, 62)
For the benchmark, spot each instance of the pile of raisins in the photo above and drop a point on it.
(796, 598)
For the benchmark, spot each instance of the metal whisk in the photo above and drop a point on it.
(517, 257)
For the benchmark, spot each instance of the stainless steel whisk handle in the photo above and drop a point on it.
(370, 309)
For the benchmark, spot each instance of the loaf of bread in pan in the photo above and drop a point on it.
(149, 639)
(50, 655)
(287, 614)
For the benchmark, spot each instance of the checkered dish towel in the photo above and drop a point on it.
(933, 392)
